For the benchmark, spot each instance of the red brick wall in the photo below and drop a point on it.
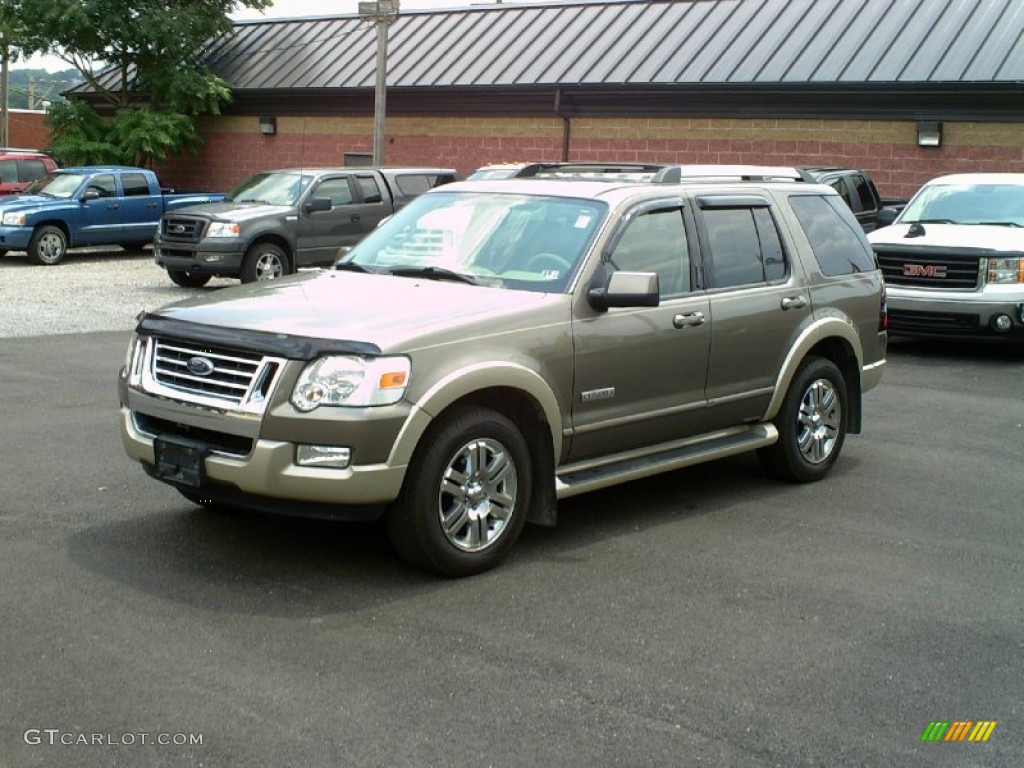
(27, 129)
(235, 149)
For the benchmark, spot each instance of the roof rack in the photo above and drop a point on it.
(663, 173)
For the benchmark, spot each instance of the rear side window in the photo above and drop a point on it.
(8, 171)
(867, 200)
(31, 169)
(134, 185)
(412, 184)
(745, 246)
(368, 189)
(836, 238)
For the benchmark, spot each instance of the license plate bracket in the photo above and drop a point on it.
(180, 460)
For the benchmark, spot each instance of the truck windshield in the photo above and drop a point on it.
(522, 242)
(56, 185)
(967, 204)
(271, 188)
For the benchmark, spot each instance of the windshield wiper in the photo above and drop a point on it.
(252, 200)
(995, 223)
(355, 266)
(931, 221)
(434, 273)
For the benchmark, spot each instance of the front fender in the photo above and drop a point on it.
(462, 383)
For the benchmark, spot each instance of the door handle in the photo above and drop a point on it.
(354, 217)
(794, 302)
(690, 319)
(113, 207)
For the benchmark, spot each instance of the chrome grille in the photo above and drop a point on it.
(208, 375)
(185, 229)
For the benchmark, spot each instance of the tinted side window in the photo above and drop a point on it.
(368, 189)
(31, 169)
(735, 247)
(8, 171)
(867, 200)
(134, 184)
(656, 242)
(836, 238)
(336, 190)
(104, 185)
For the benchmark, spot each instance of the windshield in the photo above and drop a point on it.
(56, 185)
(271, 188)
(967, 204)
(522, 242)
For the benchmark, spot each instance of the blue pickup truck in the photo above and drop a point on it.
(94, 205)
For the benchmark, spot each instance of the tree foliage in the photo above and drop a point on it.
(145, 65)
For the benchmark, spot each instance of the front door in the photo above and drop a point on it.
(640, 371)
(322, 233)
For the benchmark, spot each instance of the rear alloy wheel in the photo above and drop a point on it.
(48, 245)
(187, 279)
(466, 494)
(264, 261)
(811, 424)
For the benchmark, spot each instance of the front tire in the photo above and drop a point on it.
(264, 261)
(812, 424)
(187, 279)
(466, 494)
(48, 246)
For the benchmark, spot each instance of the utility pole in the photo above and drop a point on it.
(4, 82)
(382, 13)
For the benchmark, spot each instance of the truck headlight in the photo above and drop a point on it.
(14, 219)
(1001, 271)
(351, 381)
(223, 229)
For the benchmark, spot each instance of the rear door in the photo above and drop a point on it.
(640, 371)
(759, 303)
(140, 208)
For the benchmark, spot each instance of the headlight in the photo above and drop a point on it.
(1005, 271)
(222, 229)
(351, 381)
(133, 360)
(14, 219)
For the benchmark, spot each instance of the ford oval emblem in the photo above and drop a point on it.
(200, 366)
(176, 229)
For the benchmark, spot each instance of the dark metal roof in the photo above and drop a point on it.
(641, 42)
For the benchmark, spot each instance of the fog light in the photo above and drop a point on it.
(211, 257)
(1002, 323)
(323, 456)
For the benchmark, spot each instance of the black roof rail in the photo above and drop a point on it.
(676, 174)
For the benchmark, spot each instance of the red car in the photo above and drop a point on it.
(20, 167)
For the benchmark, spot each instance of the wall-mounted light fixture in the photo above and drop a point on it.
(268, 125)
(929, 134)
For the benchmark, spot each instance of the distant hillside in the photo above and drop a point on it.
(39, 86)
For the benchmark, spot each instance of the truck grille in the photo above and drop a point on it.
(211, 376)
(185, 229)
(925, 270)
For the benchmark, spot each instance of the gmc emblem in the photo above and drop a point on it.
(924, 270)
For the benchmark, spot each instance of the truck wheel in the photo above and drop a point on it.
(264, 261)
(811, 424)
(465, 496)
(187, 279)
(48, 245)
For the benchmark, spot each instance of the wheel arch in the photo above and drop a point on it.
(59, 224)
(273, 238)
(832, 339)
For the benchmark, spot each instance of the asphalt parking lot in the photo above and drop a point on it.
(708, 617)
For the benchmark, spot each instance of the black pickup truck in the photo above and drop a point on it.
(858, 190)
(277, 221)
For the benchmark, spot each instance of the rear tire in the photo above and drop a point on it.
(812, 424)
(48, 246)
(187, 279)
(466, 494)
(264, 261)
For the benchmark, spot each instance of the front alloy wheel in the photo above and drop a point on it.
(48, 245)
(466, 494)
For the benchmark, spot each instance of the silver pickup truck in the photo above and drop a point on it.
(277, 221)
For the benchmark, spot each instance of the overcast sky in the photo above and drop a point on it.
(283, 9)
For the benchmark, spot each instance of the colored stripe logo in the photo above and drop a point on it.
(959, 730)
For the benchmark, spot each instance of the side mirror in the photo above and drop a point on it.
(90, 194)
(315, 204)
(626, 289)
(886, 216)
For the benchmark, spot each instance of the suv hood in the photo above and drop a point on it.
(980, 236)
(239, 212)
(383, 310)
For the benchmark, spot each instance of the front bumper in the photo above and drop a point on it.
(15, 238)
(210, 256)
(953, 314)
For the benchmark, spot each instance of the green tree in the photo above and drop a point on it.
(145, 69)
